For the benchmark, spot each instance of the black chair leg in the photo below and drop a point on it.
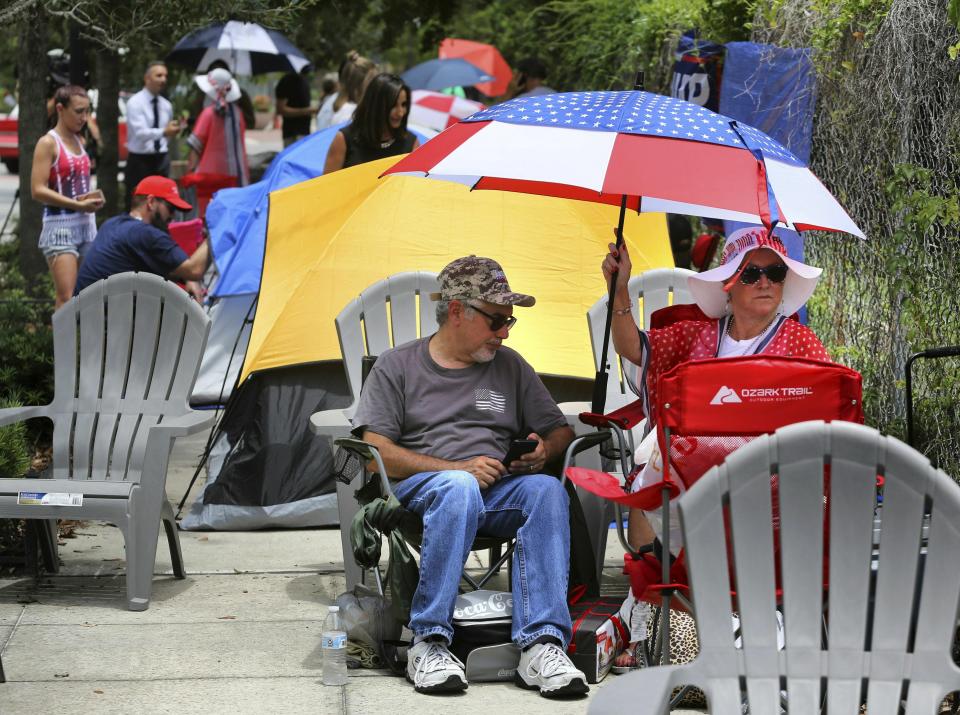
(495, 553)
(3, 678)
(40, 542)
(46, 533)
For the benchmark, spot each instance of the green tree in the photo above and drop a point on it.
(111, 28)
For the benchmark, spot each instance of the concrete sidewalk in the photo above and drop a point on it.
(239, 635)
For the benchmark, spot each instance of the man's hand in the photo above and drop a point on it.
(196, 291)
(487, 470)
(172, 128)
(531, 462)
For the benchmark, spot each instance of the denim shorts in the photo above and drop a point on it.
(51, 252)
(69, 234)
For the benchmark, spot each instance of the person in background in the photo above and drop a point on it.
(529, 79)
(293, 104)
(355, 72)
(328, 87)
(217, 141)
(60, 179)
(681, 239)
(139, 241)
(150, 124)
(200, 100)
(379, 127)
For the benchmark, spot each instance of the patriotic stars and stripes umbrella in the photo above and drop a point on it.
(246, 47)
(438, 111)
(644, 151)
(661, 153)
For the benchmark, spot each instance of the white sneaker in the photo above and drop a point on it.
(432, 668)
(546, 667)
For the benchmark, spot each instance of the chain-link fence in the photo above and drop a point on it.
(886, 143)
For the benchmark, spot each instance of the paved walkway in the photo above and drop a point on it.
(239, 635)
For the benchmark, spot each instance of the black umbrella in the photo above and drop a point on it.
(246, 47)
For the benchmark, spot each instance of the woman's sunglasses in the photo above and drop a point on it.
(497, 320)
(750, 274)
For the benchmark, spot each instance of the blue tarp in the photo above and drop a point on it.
(773, 89)
(237, 218)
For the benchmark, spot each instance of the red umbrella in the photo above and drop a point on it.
(486, 57)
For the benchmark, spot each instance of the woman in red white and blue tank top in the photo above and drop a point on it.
(61, 181)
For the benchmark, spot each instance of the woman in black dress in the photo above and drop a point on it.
(379, 127)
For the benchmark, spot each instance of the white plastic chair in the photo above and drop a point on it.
(126, 355)
(891, 611)
(390, 312)
(650, 291)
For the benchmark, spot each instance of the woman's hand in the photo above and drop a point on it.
(618, 259)
(89, 206)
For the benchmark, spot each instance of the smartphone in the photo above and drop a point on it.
(518, 448)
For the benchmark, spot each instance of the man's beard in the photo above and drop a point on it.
(483, 354)
(159, 222)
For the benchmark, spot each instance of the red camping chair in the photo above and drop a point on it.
(706, 410)
(204, 186)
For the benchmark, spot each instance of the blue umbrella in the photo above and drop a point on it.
(440, 74)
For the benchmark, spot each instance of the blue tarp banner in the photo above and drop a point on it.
(696, 70)
(773, 89)
(237, 218)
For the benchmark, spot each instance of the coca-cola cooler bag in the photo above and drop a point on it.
(598, 636)
(481, 635)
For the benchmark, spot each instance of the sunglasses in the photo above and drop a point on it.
(497, 320)
(750, 274)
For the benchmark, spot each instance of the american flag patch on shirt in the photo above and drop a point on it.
(490, 400)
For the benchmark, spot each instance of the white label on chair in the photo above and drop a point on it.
(49, 499)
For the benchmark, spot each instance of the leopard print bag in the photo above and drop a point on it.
(684, 647)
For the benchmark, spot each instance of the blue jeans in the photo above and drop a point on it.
(533, 508)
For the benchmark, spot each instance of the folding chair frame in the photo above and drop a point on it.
(369, 454)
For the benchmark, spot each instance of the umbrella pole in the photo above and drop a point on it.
(600, 381)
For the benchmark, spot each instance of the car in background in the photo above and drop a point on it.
(10, 151)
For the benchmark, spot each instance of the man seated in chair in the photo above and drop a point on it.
(443, 410)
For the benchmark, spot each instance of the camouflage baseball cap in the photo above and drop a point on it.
(475, 277)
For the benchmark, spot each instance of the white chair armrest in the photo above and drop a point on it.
(572, 410)
(10, 415)
(187, 424)
(330, 423)
(653, 686)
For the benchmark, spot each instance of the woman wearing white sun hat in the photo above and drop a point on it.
(217, 141)
(747, 301)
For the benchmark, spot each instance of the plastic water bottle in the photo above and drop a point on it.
(333, 643)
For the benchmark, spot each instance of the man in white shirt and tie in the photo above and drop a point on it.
(150, 123)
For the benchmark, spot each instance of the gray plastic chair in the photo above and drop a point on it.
(891, 612)
(390, 312)
(126, 355)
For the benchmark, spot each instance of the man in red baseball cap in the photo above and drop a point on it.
(139, 241)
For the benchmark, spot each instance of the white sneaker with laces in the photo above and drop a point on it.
(432, 668)
(546, 667)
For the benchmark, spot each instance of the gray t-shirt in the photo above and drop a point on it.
(458, 413)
